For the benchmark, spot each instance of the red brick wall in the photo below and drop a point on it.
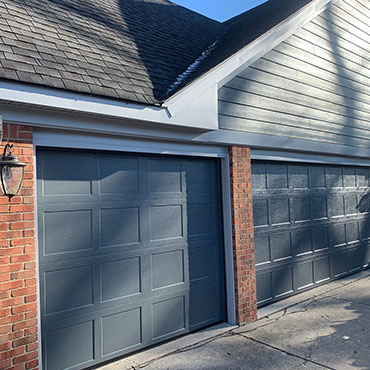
(243, 234)
(18, 292)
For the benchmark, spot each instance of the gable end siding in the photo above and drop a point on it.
(315, 85)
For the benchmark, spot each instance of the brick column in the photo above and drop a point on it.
(18, 292)
(243, 234)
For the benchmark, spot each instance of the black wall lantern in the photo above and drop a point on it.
(11, 172)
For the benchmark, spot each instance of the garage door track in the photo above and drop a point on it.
(325, 328)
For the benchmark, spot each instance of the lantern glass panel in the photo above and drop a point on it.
(11, 179)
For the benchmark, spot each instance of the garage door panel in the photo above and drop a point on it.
(320, 238)
(202, 220)
(166, 222)
(260, 213)
(352, 232)
(280, 245)
(76, 352)
(203, 262)
(199, 178)
(302, 240)
(120, 278)
(259, 178)
(279, 212)
(322, 269)
(334, 177)
(164, 309)
(282, 281)
(277, 176)
(204, 308)
(79, 171)
(337, 234)
(300, 209)
(366, 247)
(319, 207)
(365, 228)
(349, 177)
(165, 176)
(350, 204)
(118, 175)
(356, 259)
(75, 235)
(339, 264)
(362, 177)
(168, 269)
(264, 287)
(262, 250)
(307, 216)
(121, 332)
(67, 289)
(336, 206)
(119, 226)
(298, 176)
(317, 177)
(304, 274)
(127, 257)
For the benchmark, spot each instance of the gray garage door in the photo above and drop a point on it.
(308, 226)
(130, 252)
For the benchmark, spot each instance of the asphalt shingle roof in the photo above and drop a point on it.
(243, 29)
(126, 49)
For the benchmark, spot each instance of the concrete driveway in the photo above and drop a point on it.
(325, 328)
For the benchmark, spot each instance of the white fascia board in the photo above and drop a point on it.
(201, 114)
(230, 68)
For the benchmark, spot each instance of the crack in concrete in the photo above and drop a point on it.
(306, 360)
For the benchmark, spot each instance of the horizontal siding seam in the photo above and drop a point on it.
(337, 65)
(294, 136)
(302, 94)
(323, 69)
(334, 11)
(349, 51)
(292, 125)
(336, 53)
(341, 87)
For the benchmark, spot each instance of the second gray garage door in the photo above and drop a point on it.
(309, 228)
(130, 252)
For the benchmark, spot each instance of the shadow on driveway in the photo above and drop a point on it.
(326, 331)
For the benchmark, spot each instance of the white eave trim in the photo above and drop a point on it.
(203, 114)
(231, 67)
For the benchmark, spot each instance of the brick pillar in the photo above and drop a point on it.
(18, 292)
(243, 234)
